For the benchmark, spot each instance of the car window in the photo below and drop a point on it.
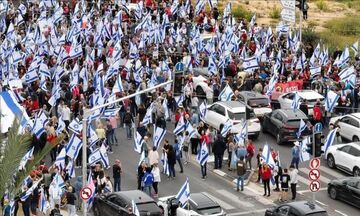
(290, 96)
(353, 122)
(209, 211)
(283, 210)
(236, 116)
(278, 117)
(213, 107)
(120, 202)
(220, 110)
(258, 102)
(346, 120)
(354, 151)
(352, 183)
(345, 148)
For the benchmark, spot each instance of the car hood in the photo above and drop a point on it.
(334, 119)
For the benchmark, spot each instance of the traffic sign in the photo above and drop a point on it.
(318, 127)
(288, 15)
(314, 163)
(290, 4)
(86, 193)
(314, 186)
(314, 174)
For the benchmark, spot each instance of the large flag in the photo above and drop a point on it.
(301, 128)
(75, 126)
(272, 84)
(61, 126)
(118, 85)
(267, 157)
(226, 94)
(25, 159)
(42, 202)
(39, 124)
(165, 163)
(304, 155)
(135, 209)
(241, 136)
(190, 129)
(91, 185)
(138, 141)
(30, 190)
(329, 139)
(70, 169)
(73, 147)
(203, 155)
(159, 134)
(184, 193)
(331, 100)
(250, 64)
(226, 128)
(355, 48)
(180, 127)
(148, 117)
(60, 159)
(295, 105)
(203, 110)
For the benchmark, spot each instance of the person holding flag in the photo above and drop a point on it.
(202, 158)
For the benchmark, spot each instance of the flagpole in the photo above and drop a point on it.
(86, 114)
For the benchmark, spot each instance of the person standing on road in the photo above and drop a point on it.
(171, 161)
(250, 148)
(109, 135)
(157, 178)
(186, 145)
(285, 179)
(295, 153)
(70, 197)
(128, 120)
(140, 174)
(259, 165)
(293, 180)
(241, 170)
(266, 176)
(277, 172)
(177, 149)
(153, 156)
(117, 175)
(218, 148)
(148, 181)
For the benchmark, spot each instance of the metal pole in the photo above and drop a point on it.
(313, 146)
(300, 23)
(87, 113)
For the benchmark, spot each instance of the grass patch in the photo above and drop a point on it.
(239, 12)
(348, 26)
(275, 13)
(322, 5)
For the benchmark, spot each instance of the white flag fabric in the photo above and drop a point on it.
(60, 159)
(301, 128)
(295, 105)
(355, 48)
(180, 127)
(148, 117)
(165, 163)
(39, 124)
(226, 128)
(203, 111)
(61, 126)
(70, 169)
(266, 156)
(226, 94)
(184, 193)
(203, 154)
(142, 158)
(190, 129)
(241, 136)
(331, 100)
(73, 147)
(42, 202)
(118, 85)
(138, 141)
(25, 158)
(329, 139)
(159, 134)
(75, 126)
(304, 155)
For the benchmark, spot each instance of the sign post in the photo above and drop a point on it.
(86, 193)
(314, 175)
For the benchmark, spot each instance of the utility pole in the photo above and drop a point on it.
(87, 113)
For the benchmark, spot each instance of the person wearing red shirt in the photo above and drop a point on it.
(266, 176)
(250, 148)
(317, 113)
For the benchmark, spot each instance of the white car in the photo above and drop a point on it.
(285, 100)
(345, 157)
(201, 87)
(349, 126)
(218, 113)
(199, 204)
(260, 103)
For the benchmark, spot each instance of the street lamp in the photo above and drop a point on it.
(87, 113)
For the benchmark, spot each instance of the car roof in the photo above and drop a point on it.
(354, 144)
(290, 114)
(252, 94)
(201, 201)
(305, 207)
(233, 105)
(355, 115)
(136, 195)
(309, 94)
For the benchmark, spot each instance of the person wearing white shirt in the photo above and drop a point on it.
(293, 180)
(65, 113)
(156, 173)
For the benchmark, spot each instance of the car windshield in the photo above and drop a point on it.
(294, 122)
(236, 116)
(148, 207)
(318, 214)
(209, 211)
(258, 102)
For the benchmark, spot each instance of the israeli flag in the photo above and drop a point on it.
(266, 156)
(76, 51)
(180, 100)
(61, 126)
(134, 208)
(30, 191)
(165, 107)
(317, 51)
(165, 163)
(302, 127)
(93, 138)
(94, 157)
(295, 105)
(75, 126)
(22, 9)
(304, 155)
(40, 123)
(203, 111)
(138, 142)
(355, 48)
(346, 73)
(272, 84)
(183, 195)
(315, 71)
(329, 139)
(174, 7)
(243, 133)
(331, 100)
(226, 94)
(180, 127)
(148, 117)
(345, 57)
(70, 169)
(250, 64)
(190, 129)
(142, 158)
(159, 134)
(25, 159)
(31, 76)
(73, 147)
(60, 159)
(226, 128)
(200, 4)
(203, 155)
(43, 202)
(104, 156)
(212, 68)
(58, 181)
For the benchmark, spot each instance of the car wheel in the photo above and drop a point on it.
(355, 139)
(278, 139)
(331, 161)
(333, 193)
(200, 92)
(356, 172)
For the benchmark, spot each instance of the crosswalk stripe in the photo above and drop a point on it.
(223, 204)
(331, 172)
(322, 177)
(234, 198)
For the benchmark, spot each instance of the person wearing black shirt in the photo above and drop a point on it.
(141, 172)
(70, 197)
(284, 179)
(117, 175)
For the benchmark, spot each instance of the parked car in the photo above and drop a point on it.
(284, 125)
(347, 190)
(199, 204)
(349, 126)
(118, 203)
(299, 208)
(345, 157)
(201, 87)
(285, 100)
(218, 113)
(260, 103)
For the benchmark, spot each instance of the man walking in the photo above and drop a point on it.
(177, 149)
(295, 153)
(218, 148)
(250, 148)
(293, 180)
(117, 175)
(241, 170)
(128, 120)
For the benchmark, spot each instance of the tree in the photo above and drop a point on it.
(15, 146)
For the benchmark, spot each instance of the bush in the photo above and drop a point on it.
(322, 5)
(309, 36)
(239, 12)
(275, 13)
(348, 26)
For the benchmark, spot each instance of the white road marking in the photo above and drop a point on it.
(234, 198)
(331, 172)
(340, 212)
(223, 204)
(322, 178)
(246, 212)
(251, 191)
(219, 172)
(308, 191)
(320, 203)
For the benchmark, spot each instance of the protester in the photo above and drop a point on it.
(284, 179)
(218, 148)
(157, 178)
(147, 181)
(293, 180)
(265, 177)
(177, 149)
(250, 148)
(117, 171)
(241, 170)
(295, 153)
(70, 199)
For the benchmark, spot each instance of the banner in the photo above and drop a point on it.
(294, 85)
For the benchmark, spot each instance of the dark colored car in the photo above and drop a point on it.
(258, 102)
(299, 208)
(347, 190)
(118, 204)
(284, 124)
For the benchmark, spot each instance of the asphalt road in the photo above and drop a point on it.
(249, 202)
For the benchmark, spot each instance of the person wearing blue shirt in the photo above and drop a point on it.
(295, 153)
(178, 149)
(241, 152)
(148, 180)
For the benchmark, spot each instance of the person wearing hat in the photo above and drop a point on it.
(295, 153)
(70, 197)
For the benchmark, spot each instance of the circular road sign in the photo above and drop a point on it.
(85, 193)
(314, 163)
(314, 174)
(314, 186)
